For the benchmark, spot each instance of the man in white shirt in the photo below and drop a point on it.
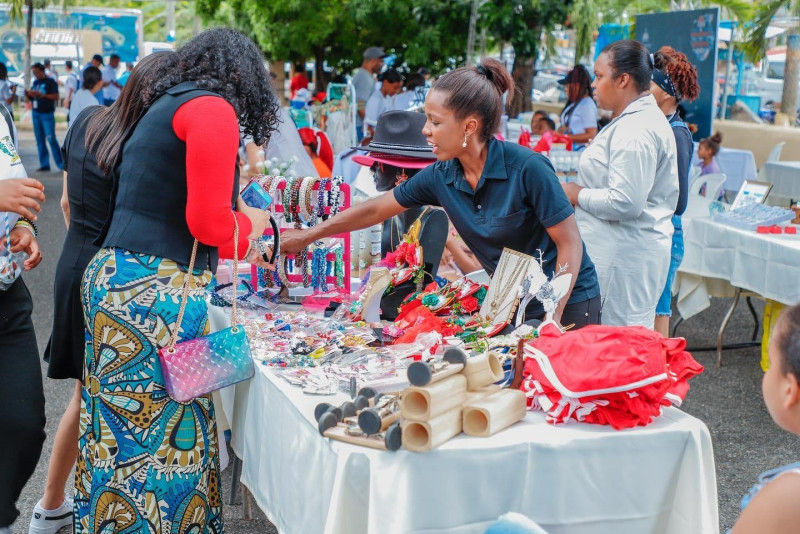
(381, 101)
(111, 87)
(364, 82)
(70, 84)
(85, 97)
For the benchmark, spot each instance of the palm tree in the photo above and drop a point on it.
(756, 46)
(16, 8)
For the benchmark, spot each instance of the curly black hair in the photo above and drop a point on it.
(226, 62)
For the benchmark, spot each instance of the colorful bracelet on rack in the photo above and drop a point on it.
(335, 198)
(287, 200)
(295, 201)
(323, 193)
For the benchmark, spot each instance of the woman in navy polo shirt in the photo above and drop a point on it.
(496, 194)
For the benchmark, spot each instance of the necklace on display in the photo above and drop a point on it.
(508, 284)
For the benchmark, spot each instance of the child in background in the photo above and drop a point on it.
(707, 151)
(771, 506)
(536, 129)
(319, 149)
(550, 136)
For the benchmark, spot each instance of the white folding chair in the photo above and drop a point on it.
(774, 155)
(713, 182)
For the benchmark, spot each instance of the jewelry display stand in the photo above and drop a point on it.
(503, 294)
(492, 414)
(379, 279)
(277, 209)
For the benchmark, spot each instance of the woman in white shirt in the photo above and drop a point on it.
(627, 188)
(579, 116)
(85, 97)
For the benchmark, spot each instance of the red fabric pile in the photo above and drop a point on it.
(619, 376)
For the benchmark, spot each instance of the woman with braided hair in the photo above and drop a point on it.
(674, 79)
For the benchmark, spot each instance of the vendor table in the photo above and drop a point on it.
(575, 478)
(738, 166)
(721, 261)
(784, 177)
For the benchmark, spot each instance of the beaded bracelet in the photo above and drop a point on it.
(273, 188)
(308, 205)
(24, 222)
(282, 273)
(304, 199)
(323, 192)
(287, 199)
(295, 202)
(334, 200)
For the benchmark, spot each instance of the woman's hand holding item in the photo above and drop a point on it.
(255, 255)
(293, 241)
(258, 218)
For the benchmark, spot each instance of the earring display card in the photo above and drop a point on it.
(503, 294)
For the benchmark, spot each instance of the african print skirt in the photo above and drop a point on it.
(147, 464)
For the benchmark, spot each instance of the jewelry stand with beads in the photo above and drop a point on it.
(293, 208)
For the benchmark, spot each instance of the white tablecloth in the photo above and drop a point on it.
(738, 166)
(784, 177)
(718, 258)
(572, 479)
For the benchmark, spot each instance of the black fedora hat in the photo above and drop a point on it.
(399, 133)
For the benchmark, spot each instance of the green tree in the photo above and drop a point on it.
(520, 23)
(421, 32)
(756, 45)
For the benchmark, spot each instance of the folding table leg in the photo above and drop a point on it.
(724, 325)
(755, 318)
(236, 474)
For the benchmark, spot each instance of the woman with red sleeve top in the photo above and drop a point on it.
(148, 462)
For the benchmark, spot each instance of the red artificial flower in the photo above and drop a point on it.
(469, 305)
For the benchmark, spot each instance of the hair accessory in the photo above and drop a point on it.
(661, 78)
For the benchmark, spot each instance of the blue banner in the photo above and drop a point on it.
(118, 31)
(695, 34)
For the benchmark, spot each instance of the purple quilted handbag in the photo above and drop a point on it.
(199, 366)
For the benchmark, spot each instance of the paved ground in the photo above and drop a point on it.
(728, 400)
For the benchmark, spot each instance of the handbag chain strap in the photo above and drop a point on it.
(174, 338)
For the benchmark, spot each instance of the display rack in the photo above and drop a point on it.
(278, 210)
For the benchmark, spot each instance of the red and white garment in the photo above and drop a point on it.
(620, 376)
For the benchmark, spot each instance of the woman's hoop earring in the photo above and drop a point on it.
(464, 144)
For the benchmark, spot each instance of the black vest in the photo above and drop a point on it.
(149, 214)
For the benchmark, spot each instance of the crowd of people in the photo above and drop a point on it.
(147, 462)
